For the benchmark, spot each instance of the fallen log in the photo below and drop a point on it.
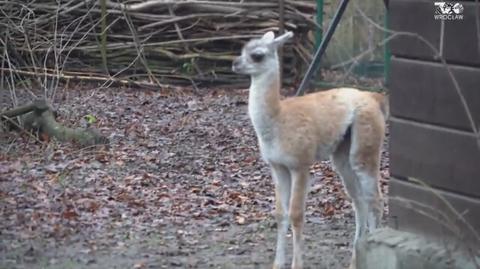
(38, 117)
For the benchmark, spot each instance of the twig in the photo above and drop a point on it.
(139, 49)
(449, 207)
(83, 77)
(211, 5)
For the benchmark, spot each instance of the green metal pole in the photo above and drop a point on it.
(386, 51)
(319, 20)
(313, 68)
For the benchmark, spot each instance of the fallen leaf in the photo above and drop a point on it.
(240, 220)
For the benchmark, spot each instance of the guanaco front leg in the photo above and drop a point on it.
(282, 179)
(297, 213)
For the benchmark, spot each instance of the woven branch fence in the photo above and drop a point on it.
(151, 42)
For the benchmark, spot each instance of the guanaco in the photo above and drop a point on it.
(345, 124)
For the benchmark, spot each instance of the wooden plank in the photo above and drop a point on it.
(440, 157)
(460, 38)
(414, 16)
(417, 209)
(423, 91)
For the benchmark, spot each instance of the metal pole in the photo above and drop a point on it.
(312, 69)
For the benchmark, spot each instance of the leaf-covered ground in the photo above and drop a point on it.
(180, 186)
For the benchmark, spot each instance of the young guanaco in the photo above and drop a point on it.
(345, 124)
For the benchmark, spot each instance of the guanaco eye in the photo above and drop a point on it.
(257, 56)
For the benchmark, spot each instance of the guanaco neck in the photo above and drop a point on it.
(264, 102)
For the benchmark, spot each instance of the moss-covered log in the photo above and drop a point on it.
(39, 117)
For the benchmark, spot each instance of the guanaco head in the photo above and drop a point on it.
(260, 55)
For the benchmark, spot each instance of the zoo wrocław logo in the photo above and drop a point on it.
(448, 11)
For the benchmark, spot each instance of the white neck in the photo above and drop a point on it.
(264, 101)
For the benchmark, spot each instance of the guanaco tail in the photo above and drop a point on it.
(344, 124)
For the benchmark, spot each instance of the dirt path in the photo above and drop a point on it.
(181, 186)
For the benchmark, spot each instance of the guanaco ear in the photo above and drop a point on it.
(279, 41)
(268, 37)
